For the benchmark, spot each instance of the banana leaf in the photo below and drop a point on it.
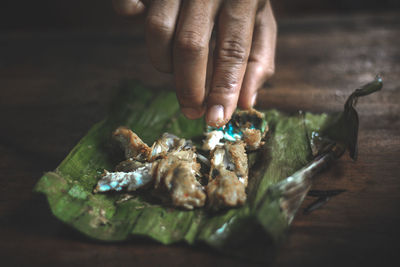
(296, 148)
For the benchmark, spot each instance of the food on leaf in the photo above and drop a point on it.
(171, 170)
(280, 174)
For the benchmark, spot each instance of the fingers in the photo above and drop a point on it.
(129, 7)
(262, 57)
(190, 54)
(178, 38)
(232, 51)
(160, 27)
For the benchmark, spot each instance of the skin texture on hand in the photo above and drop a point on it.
(219, 51)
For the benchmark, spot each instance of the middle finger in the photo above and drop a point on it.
(235, 31)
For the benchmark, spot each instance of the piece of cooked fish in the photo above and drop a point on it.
(170, 164)
(172, 169)
(228, 176)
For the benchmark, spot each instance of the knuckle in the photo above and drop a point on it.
(191, 43)
(158, 26)
(227, 84)
(269, 71)
(189, 98)
(266, 71)
(225, 89)
(189, 101)
(164, 66)
(233, 51)
(128, 8)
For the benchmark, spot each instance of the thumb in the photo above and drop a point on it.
(129, 7)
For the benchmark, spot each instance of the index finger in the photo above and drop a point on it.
(234, 35)
(190, 55)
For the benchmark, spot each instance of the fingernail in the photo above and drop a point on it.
(192, 113)
(253, 100)
(215, 115)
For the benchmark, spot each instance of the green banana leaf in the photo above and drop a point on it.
(275, 189)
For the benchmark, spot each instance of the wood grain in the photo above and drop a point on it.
(55, 85)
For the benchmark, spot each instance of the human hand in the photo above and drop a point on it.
(211, 77)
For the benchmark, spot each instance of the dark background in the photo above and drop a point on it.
(60, 62)
(77, 14)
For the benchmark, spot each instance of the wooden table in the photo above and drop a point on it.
(55, 85)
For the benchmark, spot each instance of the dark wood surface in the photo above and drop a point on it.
(55, 85)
